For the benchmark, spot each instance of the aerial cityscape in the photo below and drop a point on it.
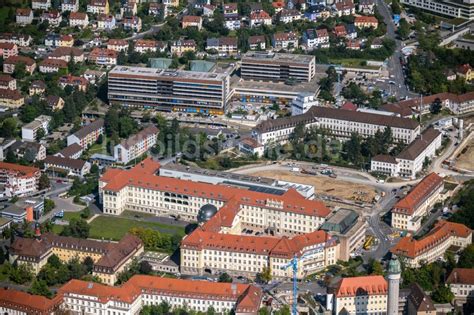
(236, 157)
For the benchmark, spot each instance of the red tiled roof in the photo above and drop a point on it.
(461, 276)
(191, 19)
(28, 303)
(23, 12)
(10, 94)
(410, 247)
(464, 68)
(23, 170)
(57, 63)
(77, 16)
(142, 175)
(367, 285)
(366, 19)
(260, 15)
(349, 106)
(285, 36)
(418, 194)
(20, 59)
(117, 42)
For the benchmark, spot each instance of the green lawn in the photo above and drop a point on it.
(115, 228)
(351, 62)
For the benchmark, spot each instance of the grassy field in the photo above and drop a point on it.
(115, 227)
(351, 62)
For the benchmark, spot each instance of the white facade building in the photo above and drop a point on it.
(303, 103)
(135, 146)
(29, 131)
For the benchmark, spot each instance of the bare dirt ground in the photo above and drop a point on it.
(325, 185)
(465, 159)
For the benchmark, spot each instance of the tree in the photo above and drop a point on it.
(48, 205)
(39, 287)
(8, 129)
(100, 139)
(466, 258)
(285, 310)
(353, 147)
(40, 134)
(396, 8)
(403, 29)
(145, 268)
(43, 182)
(20, 274)
(224, 277)
(76, 228)
(436, 106)
(112, 121)
(20, 71)
(442, 294)
(54, 261)
(265, 275)
(375, 267)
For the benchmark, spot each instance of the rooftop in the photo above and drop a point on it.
(414, 149)
(341, 221)
(461, 276)
(155, 74)
(277, 58)
(366, 285)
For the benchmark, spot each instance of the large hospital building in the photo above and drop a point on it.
(170, 90)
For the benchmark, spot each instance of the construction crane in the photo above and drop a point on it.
(294, 265)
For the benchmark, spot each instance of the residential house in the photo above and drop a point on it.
(87, 135)
(41, 4)
(317, 12)
(73, 81)
(65, 53)
(8, 49)
(465, 71)
(297, 5)
(29, 132)
(36, 87)
(117, 45)
(157, 9)
(52, 65)
(289, 15)
(257, 42)
(79, 19)
(53, 18)
(98, 7)
(232, 22)
(103, 57)
(353, 44)
(11, 98)
(230, 9)
(66, 41)
(260, 18)
(73, 151)
(19, 39)
(10, 63)
(74, 167)
(106, 22)
(286, 41)
(24, 16)
(255, 7)
(313, 39)
(208, 10)
(278, 6)
(31, 151)
(54, 102)
(180, 46)
(351, 31)
(133, 24)
(70, 5)
(346, 7)
(129, 8)
(340, 31)
(377, 43)
(7, 82)
(146, 45)
(19, 180)
(418, 302)
(171, 3)
(366, 6)
(225, 46)
(366, 22)
(192, 21)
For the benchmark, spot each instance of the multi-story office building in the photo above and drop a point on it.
(18, 179)
(277, 67)
(433, 246)
(408, 213)
(361, 295)
(169, 90)
(453, 8)
(136, 145)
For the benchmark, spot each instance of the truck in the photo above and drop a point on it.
(296, 169)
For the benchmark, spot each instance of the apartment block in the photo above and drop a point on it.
(88, 134)
(169, 90)
(277, 67)
(18, 179)
(444, 235)
(461, 283)
(137, 145)
(452, 8)
(30, 131)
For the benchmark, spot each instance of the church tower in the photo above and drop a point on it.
(393, 277)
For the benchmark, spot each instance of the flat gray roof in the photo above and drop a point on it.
(158, 73)
(311, 87)
(277, 57)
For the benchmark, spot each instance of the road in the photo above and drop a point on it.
(394, 66)
(155, 28)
